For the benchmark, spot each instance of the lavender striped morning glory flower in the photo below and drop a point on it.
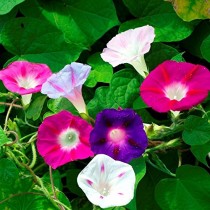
(118, 134)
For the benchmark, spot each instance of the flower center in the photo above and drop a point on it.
(68, 138)
(103, 188)
(116, 135)
(27, 82)
(176, 91)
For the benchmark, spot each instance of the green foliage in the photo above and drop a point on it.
(190, 190)
(56, 105)
(196, 131)
(36, 45)
(34, 111)
(57, 33)
(75, 18)
(162, 18)
(101, 71)
(201, 152)
(6, 6)
(3, 137)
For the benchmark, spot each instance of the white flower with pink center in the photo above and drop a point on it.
(130, 47)
(107, 182)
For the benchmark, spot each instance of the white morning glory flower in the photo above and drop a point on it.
(107, 182)
(130, 47)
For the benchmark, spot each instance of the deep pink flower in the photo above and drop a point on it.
(175, 86)
(68, 83)
(24, 77)
(130, 47)
(62, 138)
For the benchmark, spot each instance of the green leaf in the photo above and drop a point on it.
(35, 108)
(5, 18)
(164, 24)
(139, 168)
(57, 105)
(146, 188)
(190, 10)
(101, 71)
(204, 48)
(56, 179)
(139, 104)
(178, 57)
(158, 53)
(71, 176)
(103, 99)
(201, 32)
(189, 191)
(8, 173)
(124, 87)
(147, 8)
(81, 204)
(82, 22)
(3, 137)
(6, 6)
(196, 131)
(36, 45)
(201, 152)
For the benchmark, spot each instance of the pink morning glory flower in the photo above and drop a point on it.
(130, 47)
(24, 78)
(107, 182)
(68, 83)
(175, 86)
(63, 138)
(118, 134)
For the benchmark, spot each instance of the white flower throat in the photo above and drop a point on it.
(176, 91)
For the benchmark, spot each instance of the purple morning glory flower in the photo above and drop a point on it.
(118, 134)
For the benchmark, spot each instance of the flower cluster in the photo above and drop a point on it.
(116, 136)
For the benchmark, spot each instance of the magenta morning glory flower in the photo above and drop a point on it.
(130, 47)
(175, 86)
(62, 138)
(68, 83)
(24, 78)
(107, 182)
(119, 134)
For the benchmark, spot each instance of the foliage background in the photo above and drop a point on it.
(59, 32)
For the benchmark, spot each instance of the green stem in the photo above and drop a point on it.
(7, 115)
(25, 137)
(11, 155)
(34, 155)
(166, 145)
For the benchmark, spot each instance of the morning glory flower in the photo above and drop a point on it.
(175, 86)
(107, 182)
(63, 138)
(118, 134)
(68, 83)
(24, 78)
(130, 47)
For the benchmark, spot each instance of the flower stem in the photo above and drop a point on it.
(9, 104)
(7, 115)
(166, 145)
(34, 156)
